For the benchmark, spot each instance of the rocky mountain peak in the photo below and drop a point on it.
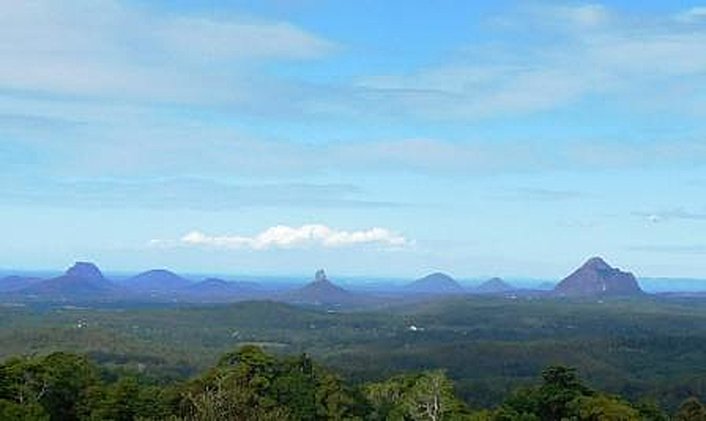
(320, 276)
(85, 270)
(598, 278)
(596, 263)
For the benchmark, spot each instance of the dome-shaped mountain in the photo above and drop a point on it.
(157, 280)
(435, 283)
(211, 284)
(219, 288)
(493, 286)
(597, 278)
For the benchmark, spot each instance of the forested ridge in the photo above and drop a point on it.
(251, 384)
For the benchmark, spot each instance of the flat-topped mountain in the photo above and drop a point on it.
(435, 283)
(322, 291)
(83, 280)
(85, 270)
(597, 278)
(157, 280)
(493, 286)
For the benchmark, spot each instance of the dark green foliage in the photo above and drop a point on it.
(250, 384)
(650, 411)
(562, 396)
(127, 399)
(67, 380)
(691, 410)
(602, 407)
(60, 383)
(560, 388)
(28, 411)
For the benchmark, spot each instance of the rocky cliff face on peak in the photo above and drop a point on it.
(83, 280)
(86, 271)
(598, 278)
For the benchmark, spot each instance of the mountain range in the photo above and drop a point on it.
(84, 281)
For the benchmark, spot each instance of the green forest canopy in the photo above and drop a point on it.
(250, 384)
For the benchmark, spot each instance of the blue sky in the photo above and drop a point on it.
(381, 138)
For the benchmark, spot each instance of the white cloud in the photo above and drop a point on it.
(206, 38)
(286, 237)
(114, 50)
(592, 52)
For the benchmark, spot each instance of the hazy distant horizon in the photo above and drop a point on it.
(649, 284)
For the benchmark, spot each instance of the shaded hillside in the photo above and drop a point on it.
(157, 281)
(15, 283)
(435, 283)
(321, 291)
(597, 278)
(81, 281)
(215, 289)
(493, 286)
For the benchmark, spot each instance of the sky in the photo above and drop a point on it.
(369, 138)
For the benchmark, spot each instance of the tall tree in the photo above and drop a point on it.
(425, 396)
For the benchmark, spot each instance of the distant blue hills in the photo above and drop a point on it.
(84, 281)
